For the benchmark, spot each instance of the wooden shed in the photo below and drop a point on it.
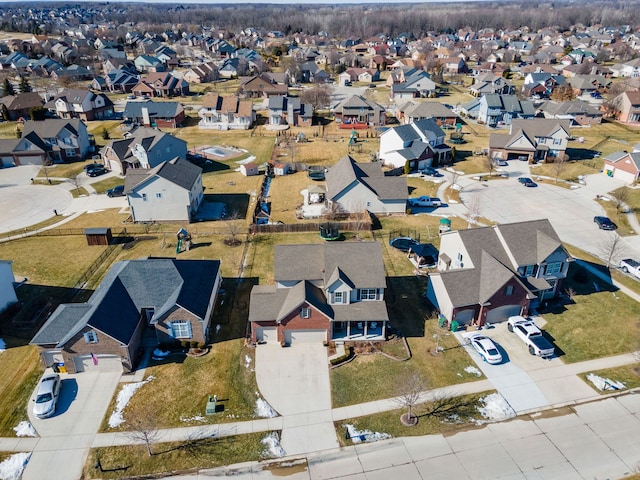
(98, 236)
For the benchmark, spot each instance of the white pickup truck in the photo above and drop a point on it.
(631, 266)
(531, 335)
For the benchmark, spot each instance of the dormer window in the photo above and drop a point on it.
(339, 297)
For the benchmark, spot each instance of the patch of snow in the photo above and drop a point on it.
(25, 429)
(605, 383)
(160, 353)
(116, 419)
(247, 361)
(12, 467)
(473, 371)
(264, 410)
(496, 408)
(273, 448)
(249, 159)
(195, 418)
(365, 436)
(3, 346)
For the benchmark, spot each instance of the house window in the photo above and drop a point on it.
(91, 336)
(509, 290)
(557, 141)
(144, 197)
(305, 312)
(69, 153)
(528, 270)
(180, 329)
(542, 141)
(158, 195)
(553, 268)
(368, 294)
(339, 297)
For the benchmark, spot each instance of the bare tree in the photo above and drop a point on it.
(75, 180)
(359, 219)
(559, 166)
(489, 164)
(411, 389)
(143, 427)
(453, 178)
(611, 248)
(233, 228)
(620, 196)
(474, 206)
(318, 96)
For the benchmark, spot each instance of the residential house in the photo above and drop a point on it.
(579, 112)
(169, 192)
(263, 86)
(20, 105)
(121, 81)
(453, 65)
(418, 85)
(626, 107)
(111, 64)
(533, 140)
(413, 112)
(154, 114)
(541, 84)
(488, 274)
(174, 298)
(365, 75)
(285, 110)
(7, 289)
(312, 73)
(160, 84)
(83, 104)
(203, 73)
(73, 73)
(149, 63)
(624, 166)
(489, 83)
(416, 145)
(359, 112)
(588, 84)
(51, 141)
(630, 69)
(354, 187)
(497, 109)
(229, 68)
(335, 294)
(142, 148)
(226, 113)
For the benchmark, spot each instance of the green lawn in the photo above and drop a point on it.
(597, 323)
(21, 372)
(102, 186)
(185, 457)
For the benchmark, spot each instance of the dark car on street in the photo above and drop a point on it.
(96, 172)
(117, 191)
(604, 223)
(527, 182)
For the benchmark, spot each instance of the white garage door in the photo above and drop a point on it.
(52, 356)
(267, 334)
(465, 316)
(86, 363)
(305, 336)
(501, 314)
(30, 160)
(624, 176)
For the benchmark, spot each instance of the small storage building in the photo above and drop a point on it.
(98, 236)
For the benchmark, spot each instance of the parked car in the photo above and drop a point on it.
(92, 166)
(628, 265)
(596, 94)
(500, 163)
(531, 335)
(527, 182)
(96, 172)
(432, 172)
(425, 202)
(485, 348)
(47, 396)
(117, 191)
(604, 223)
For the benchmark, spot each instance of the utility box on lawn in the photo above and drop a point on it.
(212, 403)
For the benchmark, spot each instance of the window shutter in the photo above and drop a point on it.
(87, 337)
(189, 329)
(170, 330)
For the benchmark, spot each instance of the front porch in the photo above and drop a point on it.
(373, 330)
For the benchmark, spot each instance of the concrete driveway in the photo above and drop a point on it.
(66, 437)
(295, 382)
(570, 211)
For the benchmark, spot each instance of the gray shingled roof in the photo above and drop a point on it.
(128, 287)
(155, 109)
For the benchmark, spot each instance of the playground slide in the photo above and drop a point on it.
(179, 247)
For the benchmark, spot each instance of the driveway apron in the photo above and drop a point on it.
(295, 382)
(66, 437)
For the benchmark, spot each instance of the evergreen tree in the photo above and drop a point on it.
(24, 85)
(7, 88)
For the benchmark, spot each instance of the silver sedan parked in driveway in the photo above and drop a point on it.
(47, 396)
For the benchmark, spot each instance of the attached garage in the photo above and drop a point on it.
(464, 317)
(305, 336)
(87, 363)
(267, 334)
(52, 356)
(626, 177)
(501, 314)
(30, 160)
